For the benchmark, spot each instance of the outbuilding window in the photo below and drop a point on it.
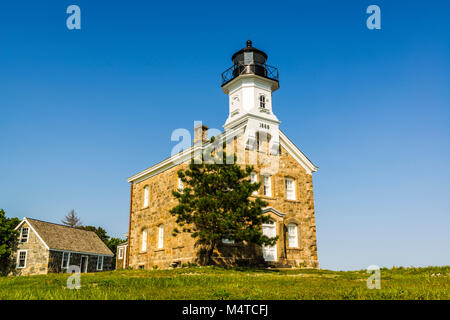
(100, 263)
(21, 259)
(120, 254)
(65, 260)
(24, 235)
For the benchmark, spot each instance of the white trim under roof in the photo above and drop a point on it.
(187, 154)
(29, 224)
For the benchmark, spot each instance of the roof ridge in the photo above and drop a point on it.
(61, 225)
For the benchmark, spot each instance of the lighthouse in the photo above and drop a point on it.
(249, 84)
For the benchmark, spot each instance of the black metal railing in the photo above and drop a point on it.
(263, 70)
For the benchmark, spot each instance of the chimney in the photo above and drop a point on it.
(200, 133)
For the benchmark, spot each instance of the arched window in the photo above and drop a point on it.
(292, 235)
(160, 236)
(180, 185)
(146, 195)
(144, 240)
(262, 101)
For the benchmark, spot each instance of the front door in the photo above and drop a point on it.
(269, 252)
(84, 263)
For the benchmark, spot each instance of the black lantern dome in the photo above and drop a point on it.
(249, 60)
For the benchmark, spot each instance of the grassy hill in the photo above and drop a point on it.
(218, 283)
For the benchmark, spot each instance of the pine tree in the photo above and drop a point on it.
(72, 220)
(215, 204)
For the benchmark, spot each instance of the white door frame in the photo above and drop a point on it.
(81, 264)
(272, 250)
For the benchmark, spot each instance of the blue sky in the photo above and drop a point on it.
(82, 110)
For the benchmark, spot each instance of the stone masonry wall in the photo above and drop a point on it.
(37, 255)
(181, 249)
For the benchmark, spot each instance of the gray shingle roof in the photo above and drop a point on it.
(59, 237)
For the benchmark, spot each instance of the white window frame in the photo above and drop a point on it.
(144, 240)
(292, 237)
(267, 186)
(227, 241)
(290, 194)
(68, 260)
(18, 259)
(262, 101)
(120, 253)
(21, 234)
(254, 179)
(160, 236)
(100, 258)
(146, 196)
(180, 185)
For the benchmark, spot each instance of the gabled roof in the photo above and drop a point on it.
(59, 237)
(186, 155)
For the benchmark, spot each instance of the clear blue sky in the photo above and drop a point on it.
(83, 110)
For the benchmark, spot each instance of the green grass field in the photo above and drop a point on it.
(218, 283)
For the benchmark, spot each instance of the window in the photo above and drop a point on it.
(144, 240)
(267, 186)
(161, 236)
(21, 259)
(120, 254)
(254, 179)
(292, 235)
(24, 235)
(227, 241)
(290, 189)
(180, 185)
(262, 101)
(65, 260)
(146, 195)
(100, 262)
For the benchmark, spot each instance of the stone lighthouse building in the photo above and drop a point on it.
(253, 132)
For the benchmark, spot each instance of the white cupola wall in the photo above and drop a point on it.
(249, 83)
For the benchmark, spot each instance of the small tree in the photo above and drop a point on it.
(100, 232)
(72, 220)
(215, 204)
(8, 242)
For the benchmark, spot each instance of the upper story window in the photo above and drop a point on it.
(24, 234)
(161, 236)
(292, 235)
(180, 185)
(144, 240)
(120, 253)
(262, 101)
(290, 189)
(146, 195)
(21, 258)
(254, 179)
(65, 260)
(100, 263)
(267, 186)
